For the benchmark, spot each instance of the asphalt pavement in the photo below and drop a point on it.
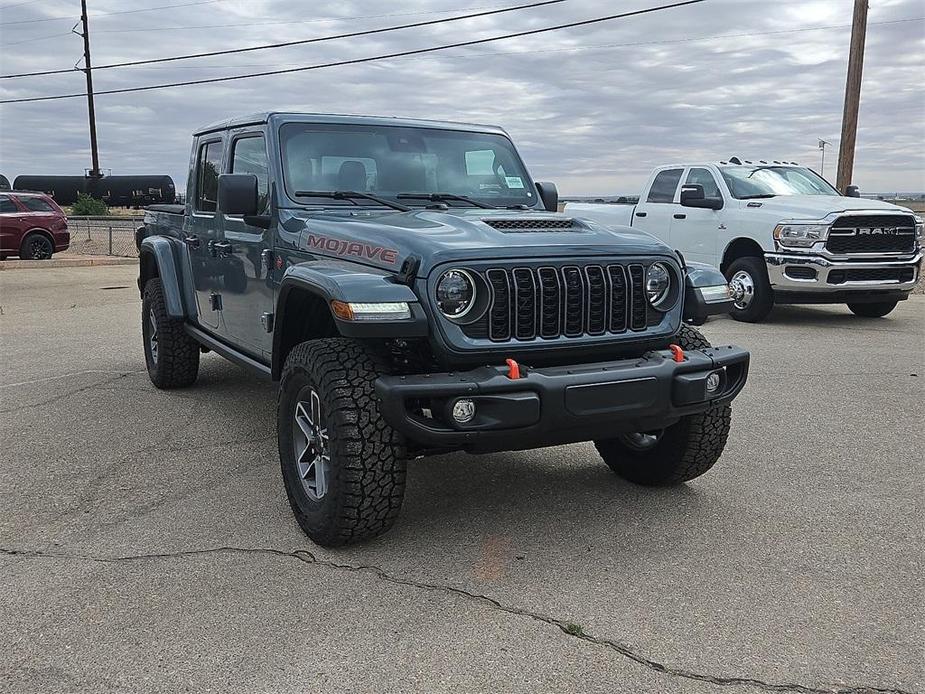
(146, 544)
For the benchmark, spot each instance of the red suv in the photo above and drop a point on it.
(32, 226)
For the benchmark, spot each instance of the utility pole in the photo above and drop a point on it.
(88, 70)
(849, 124)
(822, 145)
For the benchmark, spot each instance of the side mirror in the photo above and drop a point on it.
(692, 196)
(237, 194)
(549, 195)
(852, 192)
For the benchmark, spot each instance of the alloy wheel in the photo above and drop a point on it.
(310, 443)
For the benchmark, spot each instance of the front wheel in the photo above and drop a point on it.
(343, 466)
(677, 453)
(878, 309)
(752, 295)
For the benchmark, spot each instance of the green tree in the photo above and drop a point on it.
(88, 206)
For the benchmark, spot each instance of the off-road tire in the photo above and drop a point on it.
(36, 246)
(877, 309)
(177, 362)
(367, 459)
(763, 299)
(685, 450)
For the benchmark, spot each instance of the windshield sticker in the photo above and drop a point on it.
(514, 182)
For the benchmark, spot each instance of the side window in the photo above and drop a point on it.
(704, 178)
(7, 204)
(207, 170)
(36, 205)
(250, 156)
(664, 185)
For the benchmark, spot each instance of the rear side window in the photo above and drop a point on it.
(207, 170)
(250, 156)
(704, 178)
(664, 185)
(37, 205)
(7, 205)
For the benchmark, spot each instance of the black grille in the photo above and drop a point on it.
(872, 234)
(528, 225)
(570, 301)
(904, 274)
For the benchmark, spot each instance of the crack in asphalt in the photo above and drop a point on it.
(566, 627)
(68, 394)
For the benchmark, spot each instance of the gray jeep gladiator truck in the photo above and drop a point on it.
(413, 291)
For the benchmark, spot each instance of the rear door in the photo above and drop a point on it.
(245, 253)
(12, 224)
(655, 211)
(695, 231)
(201, 231)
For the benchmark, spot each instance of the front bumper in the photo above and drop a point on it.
(562, 404)
(803, 274)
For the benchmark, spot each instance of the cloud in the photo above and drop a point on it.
(592, 108)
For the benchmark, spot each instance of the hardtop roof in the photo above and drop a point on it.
(333, 118)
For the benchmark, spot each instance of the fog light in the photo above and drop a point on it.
(463, 411)
(713, 381)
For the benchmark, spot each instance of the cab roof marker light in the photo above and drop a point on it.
(351, 311)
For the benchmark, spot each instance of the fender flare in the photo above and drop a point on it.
(162, 250)
(697, 304)
(330, 282)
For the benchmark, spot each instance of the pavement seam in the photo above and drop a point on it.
(566, 627)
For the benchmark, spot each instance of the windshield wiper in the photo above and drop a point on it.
(443, 197)
(352, 196)
(759, 195)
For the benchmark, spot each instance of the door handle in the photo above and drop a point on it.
(641, 214)
(220, 248)
(680, 216)
(191, 241)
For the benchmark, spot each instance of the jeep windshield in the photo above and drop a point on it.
(752, 182)
(415, 165)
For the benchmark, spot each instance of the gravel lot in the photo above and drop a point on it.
(146, 544)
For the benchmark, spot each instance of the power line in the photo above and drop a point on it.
(110, 14)
(7, 44)
(357, 61)
(574, 49)
(319, 20)
(19, 4)
(317, 39)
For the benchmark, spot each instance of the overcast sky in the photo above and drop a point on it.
(592, 108)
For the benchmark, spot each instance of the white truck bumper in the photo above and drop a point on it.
(817, 274)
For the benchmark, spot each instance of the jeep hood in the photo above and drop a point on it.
(386, 238)
(817, 206)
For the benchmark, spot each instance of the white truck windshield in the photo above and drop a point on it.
(747, 182)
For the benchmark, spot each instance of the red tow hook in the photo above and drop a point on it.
(676, 352)
(513, 367)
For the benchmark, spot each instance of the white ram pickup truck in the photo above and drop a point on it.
(780, 233)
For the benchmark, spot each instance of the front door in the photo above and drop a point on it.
(654, 214)
(202, 230)
(245, 250)
(695, 231)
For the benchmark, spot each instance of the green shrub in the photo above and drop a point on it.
(87, 206)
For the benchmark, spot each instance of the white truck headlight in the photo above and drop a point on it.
(920, 230)
(797, 235)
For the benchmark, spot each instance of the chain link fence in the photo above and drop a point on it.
(104, 235)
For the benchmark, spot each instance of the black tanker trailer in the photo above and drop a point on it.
(116, 191)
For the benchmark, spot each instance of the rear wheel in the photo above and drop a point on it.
(171, 355)
(677, 453)
(343, 466)
(877, 309)
(753, 297)
(36, 246)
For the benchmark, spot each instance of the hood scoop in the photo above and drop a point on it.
(526, 225)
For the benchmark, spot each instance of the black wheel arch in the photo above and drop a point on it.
(741, 247)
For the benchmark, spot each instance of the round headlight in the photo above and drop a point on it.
(455, 293)
(658, 284)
